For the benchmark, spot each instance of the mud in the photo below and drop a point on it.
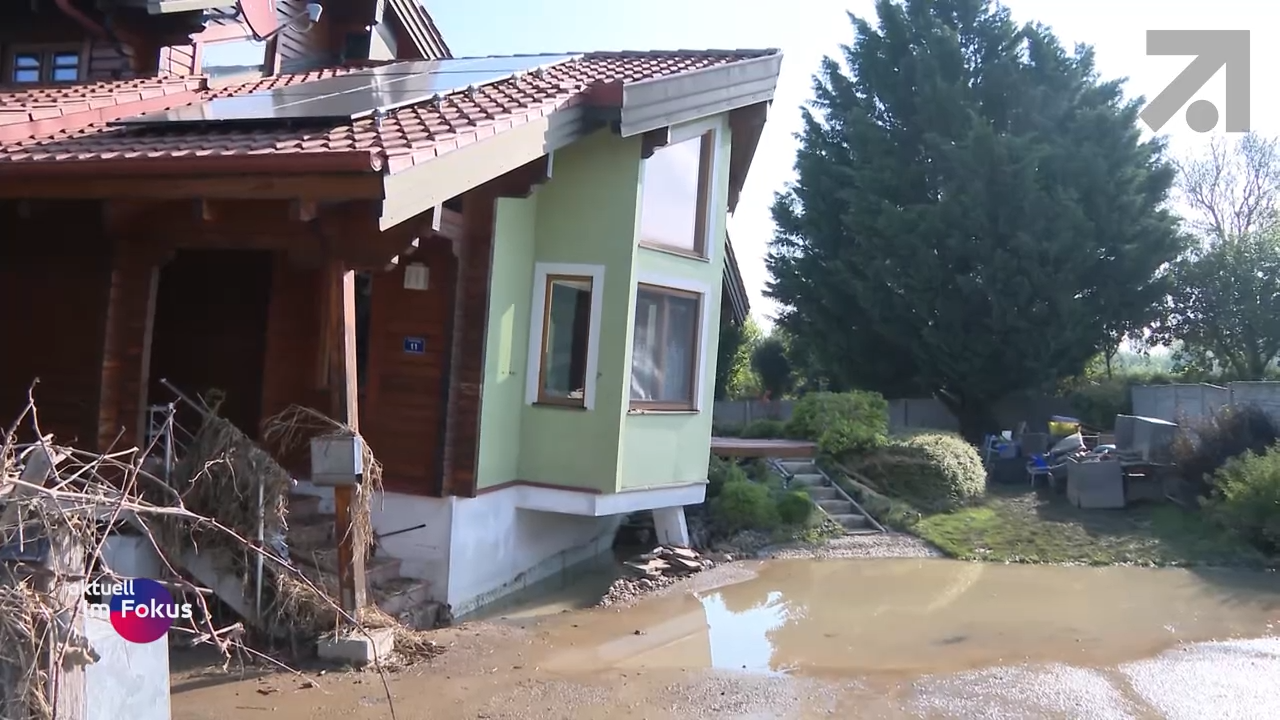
(857, 638)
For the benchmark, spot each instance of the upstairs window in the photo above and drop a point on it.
(675, 199)
(232, 57)
(44, 65)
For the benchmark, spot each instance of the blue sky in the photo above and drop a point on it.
(806, 30)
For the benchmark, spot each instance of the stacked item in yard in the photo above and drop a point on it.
(669, 561)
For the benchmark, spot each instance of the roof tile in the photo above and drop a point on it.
(410, 134)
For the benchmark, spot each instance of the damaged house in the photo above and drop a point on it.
(508, 273)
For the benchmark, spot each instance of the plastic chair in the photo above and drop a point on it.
(1039, 467)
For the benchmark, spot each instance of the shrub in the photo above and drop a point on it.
(794, 508)
(934, 472)
(841, 422)
(1204, 446)
(764, 428)
(721, 472)
(1247, 500)
(744, 505)
(1098, 402)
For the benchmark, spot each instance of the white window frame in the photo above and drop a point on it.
(688, 285)
(715, 229)
(537, 314)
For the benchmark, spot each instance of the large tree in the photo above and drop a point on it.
(975, 212)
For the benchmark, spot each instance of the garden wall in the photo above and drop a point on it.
(1178, 402)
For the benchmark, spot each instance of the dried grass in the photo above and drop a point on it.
(86, 495)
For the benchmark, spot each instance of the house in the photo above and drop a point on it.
(509, 271)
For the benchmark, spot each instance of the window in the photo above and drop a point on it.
(675, 199)
(44, 66)
(566, 334)
(232, 57)
(664, 355)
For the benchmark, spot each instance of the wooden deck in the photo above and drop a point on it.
(742, 447)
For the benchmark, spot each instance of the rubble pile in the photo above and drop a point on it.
(669, 561)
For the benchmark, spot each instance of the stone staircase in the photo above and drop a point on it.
(313, 550)
(805, 475)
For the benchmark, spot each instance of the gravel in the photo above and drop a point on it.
(880, 545)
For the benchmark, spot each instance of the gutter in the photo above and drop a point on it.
(266, 163)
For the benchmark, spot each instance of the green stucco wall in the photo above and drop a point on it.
(587, 214)
(507, 343)
(674, 448)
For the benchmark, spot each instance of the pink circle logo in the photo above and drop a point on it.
(143, 610)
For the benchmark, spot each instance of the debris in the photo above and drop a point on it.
(668, 560)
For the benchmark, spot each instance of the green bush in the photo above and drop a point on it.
(1247, 498)
(795, 508)
(720, 472)
(841, 422)
(744, 505)
(1097, 402)
(1205, 445)
(763, 429)
(932, 471)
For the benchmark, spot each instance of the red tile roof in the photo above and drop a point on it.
(405, 137)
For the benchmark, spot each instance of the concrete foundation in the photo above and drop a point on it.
(670, 527)
(357, 648)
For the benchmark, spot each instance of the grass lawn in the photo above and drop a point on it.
(1020, 525)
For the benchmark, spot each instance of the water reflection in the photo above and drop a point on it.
(919, 616)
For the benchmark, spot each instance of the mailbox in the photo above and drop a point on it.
(337, 460)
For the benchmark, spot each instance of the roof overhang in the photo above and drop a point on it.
(735, 289)
(164, 7)
(421, 187)
(666, 101)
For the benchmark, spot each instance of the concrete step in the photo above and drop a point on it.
(314, 535)
(799, 467)
(851, 521)
(836, 508)
(818, 493)
(806, 480)
(408, 601)
(304, 508)
(377, 570)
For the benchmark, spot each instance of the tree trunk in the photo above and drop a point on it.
(976, 417)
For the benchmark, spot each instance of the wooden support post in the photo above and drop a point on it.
(344, 394)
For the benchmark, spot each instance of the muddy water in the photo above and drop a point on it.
(913, 617)
(847, 638)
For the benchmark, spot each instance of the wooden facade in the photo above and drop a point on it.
(237, 296)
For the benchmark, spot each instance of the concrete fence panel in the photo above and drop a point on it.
(1265, 395)
(1180, 402)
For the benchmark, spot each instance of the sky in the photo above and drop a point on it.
(808, 30)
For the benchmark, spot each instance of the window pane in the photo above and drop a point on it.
(670, 199)
(66, 74)
(232, 57)
(564, 356)
(646, 381)
(664, 348)
(26, 68)
(66, 59)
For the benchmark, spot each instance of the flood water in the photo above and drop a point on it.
(882, 638)
(912, 617)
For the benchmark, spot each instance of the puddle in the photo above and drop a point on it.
(914, 617)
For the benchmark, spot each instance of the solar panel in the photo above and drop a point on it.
(353, 96)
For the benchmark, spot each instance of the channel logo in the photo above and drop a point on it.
(140, 610)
